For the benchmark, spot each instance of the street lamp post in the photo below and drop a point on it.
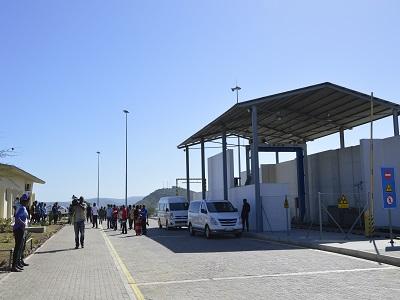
(98, 177)
(237, 89)
(126, 157)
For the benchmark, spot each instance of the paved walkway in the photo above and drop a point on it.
(354, 245)
(58, 271)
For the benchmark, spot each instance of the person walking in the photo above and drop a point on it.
(89, 214)
(21, 221)
(245, 214)
(124, 218)
(95, 216)
(79, 214)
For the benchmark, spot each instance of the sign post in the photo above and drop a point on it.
(389, 199)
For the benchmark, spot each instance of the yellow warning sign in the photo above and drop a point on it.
(342, 202)
(286, 203)
(389, 188)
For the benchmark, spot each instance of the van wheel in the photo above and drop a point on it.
(238, 234)
(207, 232)
(159, 224)
(191, 231)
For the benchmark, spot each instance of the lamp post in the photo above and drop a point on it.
(98, 177)
(237, 89)
(126, 157)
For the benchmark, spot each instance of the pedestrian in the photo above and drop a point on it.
(245, 214)
(54, 211)
(115, 217)
(79, 208)
(124, 217)
(37, 212)
(95, 215)
(89, 214)
(33, 212)
(144, 219)
(21, 221)
(120, 217)
(131, 216)
(138, 223)
(44, 212)
(109, 216)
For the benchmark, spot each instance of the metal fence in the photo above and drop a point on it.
(343, 212)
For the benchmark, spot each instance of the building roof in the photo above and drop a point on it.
(7, 169)
(297, 116)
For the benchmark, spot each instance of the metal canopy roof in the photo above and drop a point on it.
(297, 116)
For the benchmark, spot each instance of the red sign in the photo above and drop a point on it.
(388, 175)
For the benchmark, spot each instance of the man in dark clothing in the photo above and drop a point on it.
(245, 214)
(54, 211)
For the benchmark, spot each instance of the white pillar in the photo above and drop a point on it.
(2, 202)
(9, 198)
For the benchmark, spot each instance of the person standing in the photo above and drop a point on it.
(109, 216)
(54, 211)
(79, 221)
(89, 214)
(115, 217)
(95, 215)
(124, 218)
(144, 219)
(21, 220)
(131, 216)
(245, 214)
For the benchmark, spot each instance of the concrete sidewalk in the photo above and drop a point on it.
(58, 271)
(355, 245)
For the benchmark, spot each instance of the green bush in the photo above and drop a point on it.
(5, 225)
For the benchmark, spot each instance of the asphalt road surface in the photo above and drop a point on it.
(173, 265)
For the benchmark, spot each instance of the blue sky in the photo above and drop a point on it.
(69, 68)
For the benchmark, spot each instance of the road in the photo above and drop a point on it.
(173, 265)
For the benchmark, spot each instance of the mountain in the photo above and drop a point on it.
(103, 201)
(151, 200)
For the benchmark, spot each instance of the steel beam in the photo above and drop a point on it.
(396, 122)
(341, 133)
(224, 166)
(203, 171)
(255, 169)
(187, 174)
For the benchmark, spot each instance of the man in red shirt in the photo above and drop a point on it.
(115, 217)
(124, 218)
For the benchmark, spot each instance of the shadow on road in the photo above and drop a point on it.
(54, 251)
(179, 241)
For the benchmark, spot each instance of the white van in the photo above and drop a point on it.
(214, 216)
(172, 212)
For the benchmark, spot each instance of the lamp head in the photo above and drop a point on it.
(125, 111)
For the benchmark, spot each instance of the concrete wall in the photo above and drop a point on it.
(272, 195)
(215, 175)
(386, 154)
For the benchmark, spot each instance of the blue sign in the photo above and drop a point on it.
(388, 188)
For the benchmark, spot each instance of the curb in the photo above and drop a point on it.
(389, 260)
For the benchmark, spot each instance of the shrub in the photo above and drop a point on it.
(5, 225)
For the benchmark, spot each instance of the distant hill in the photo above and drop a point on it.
(103, 201)
(151, 200)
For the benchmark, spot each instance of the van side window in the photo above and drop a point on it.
(194, 207)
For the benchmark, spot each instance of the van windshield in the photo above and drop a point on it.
(220, 207)
(178, 206)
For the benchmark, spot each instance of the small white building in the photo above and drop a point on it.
(14, 182)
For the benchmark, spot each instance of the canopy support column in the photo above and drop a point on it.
(255, 169)
(277, 157)
(203, 171)
(187, 174)
(396, 122)
(247, 163)
(224, 166)
(341, 132)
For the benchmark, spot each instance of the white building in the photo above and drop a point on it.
(14, 182)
